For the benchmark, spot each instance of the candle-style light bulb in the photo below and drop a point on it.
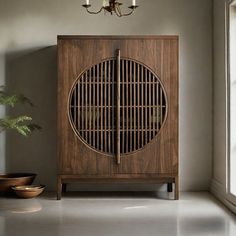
(87, 2)
(133, 2)
(105, 3)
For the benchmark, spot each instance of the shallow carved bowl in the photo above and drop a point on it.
(28, 191)
(15, 179)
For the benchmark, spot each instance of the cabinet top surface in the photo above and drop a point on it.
(115, 37)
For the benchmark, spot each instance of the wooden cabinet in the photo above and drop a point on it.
(118, 109)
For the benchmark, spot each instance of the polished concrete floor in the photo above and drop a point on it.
(116, 214)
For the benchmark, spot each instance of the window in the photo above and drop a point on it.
(232, 97)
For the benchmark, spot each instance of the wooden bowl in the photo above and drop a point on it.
(15, 179)
(28, 191)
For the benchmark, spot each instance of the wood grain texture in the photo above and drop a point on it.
(157, 161)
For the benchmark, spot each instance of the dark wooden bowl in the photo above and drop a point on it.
(15, 179)
(28, 191)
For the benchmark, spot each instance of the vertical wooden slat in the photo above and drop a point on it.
(127, 106)
(146, 107)
(94, 112)
(123, 107)
(142, 105)
(131, 108)
(74, 108)
(86, 106)
(105, 107)
(118, 108)
(98, 109)
(157, 106)
(134, 99)
(161, 106)
(101, 107)
(138, 104)
(90, 105)
(149, 107)
(109, 106)
(113, 105)
(82, 106)
(153, 106)
(78, 106)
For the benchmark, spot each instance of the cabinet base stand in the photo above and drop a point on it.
(63, 180)
(169, 188)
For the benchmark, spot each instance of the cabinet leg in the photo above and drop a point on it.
(59, 188)
(169, 187)
(176, 188)
(64, 187)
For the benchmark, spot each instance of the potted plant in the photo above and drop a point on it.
(24, 126)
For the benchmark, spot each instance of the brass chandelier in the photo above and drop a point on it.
(112, 7)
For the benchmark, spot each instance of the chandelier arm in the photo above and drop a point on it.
(127, 14)
(119, 13)
(114, 6)
(94, 12)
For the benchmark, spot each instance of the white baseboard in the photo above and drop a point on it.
(218, 190)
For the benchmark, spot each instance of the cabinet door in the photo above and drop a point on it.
(80, 103)
(149, 107)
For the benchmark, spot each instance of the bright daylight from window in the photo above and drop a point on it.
(232, 68)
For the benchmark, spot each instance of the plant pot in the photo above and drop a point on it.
(15, 179)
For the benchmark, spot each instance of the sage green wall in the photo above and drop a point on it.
(28, 31)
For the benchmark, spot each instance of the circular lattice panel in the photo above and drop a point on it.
(92, 106)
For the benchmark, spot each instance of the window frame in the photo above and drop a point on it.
(230, 197)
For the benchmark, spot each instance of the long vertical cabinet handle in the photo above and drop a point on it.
(118, 107)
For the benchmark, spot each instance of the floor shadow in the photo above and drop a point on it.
(110, 195)
(34, 73)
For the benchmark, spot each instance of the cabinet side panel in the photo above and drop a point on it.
(61, 104)
(174, 100)
(164, 163)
